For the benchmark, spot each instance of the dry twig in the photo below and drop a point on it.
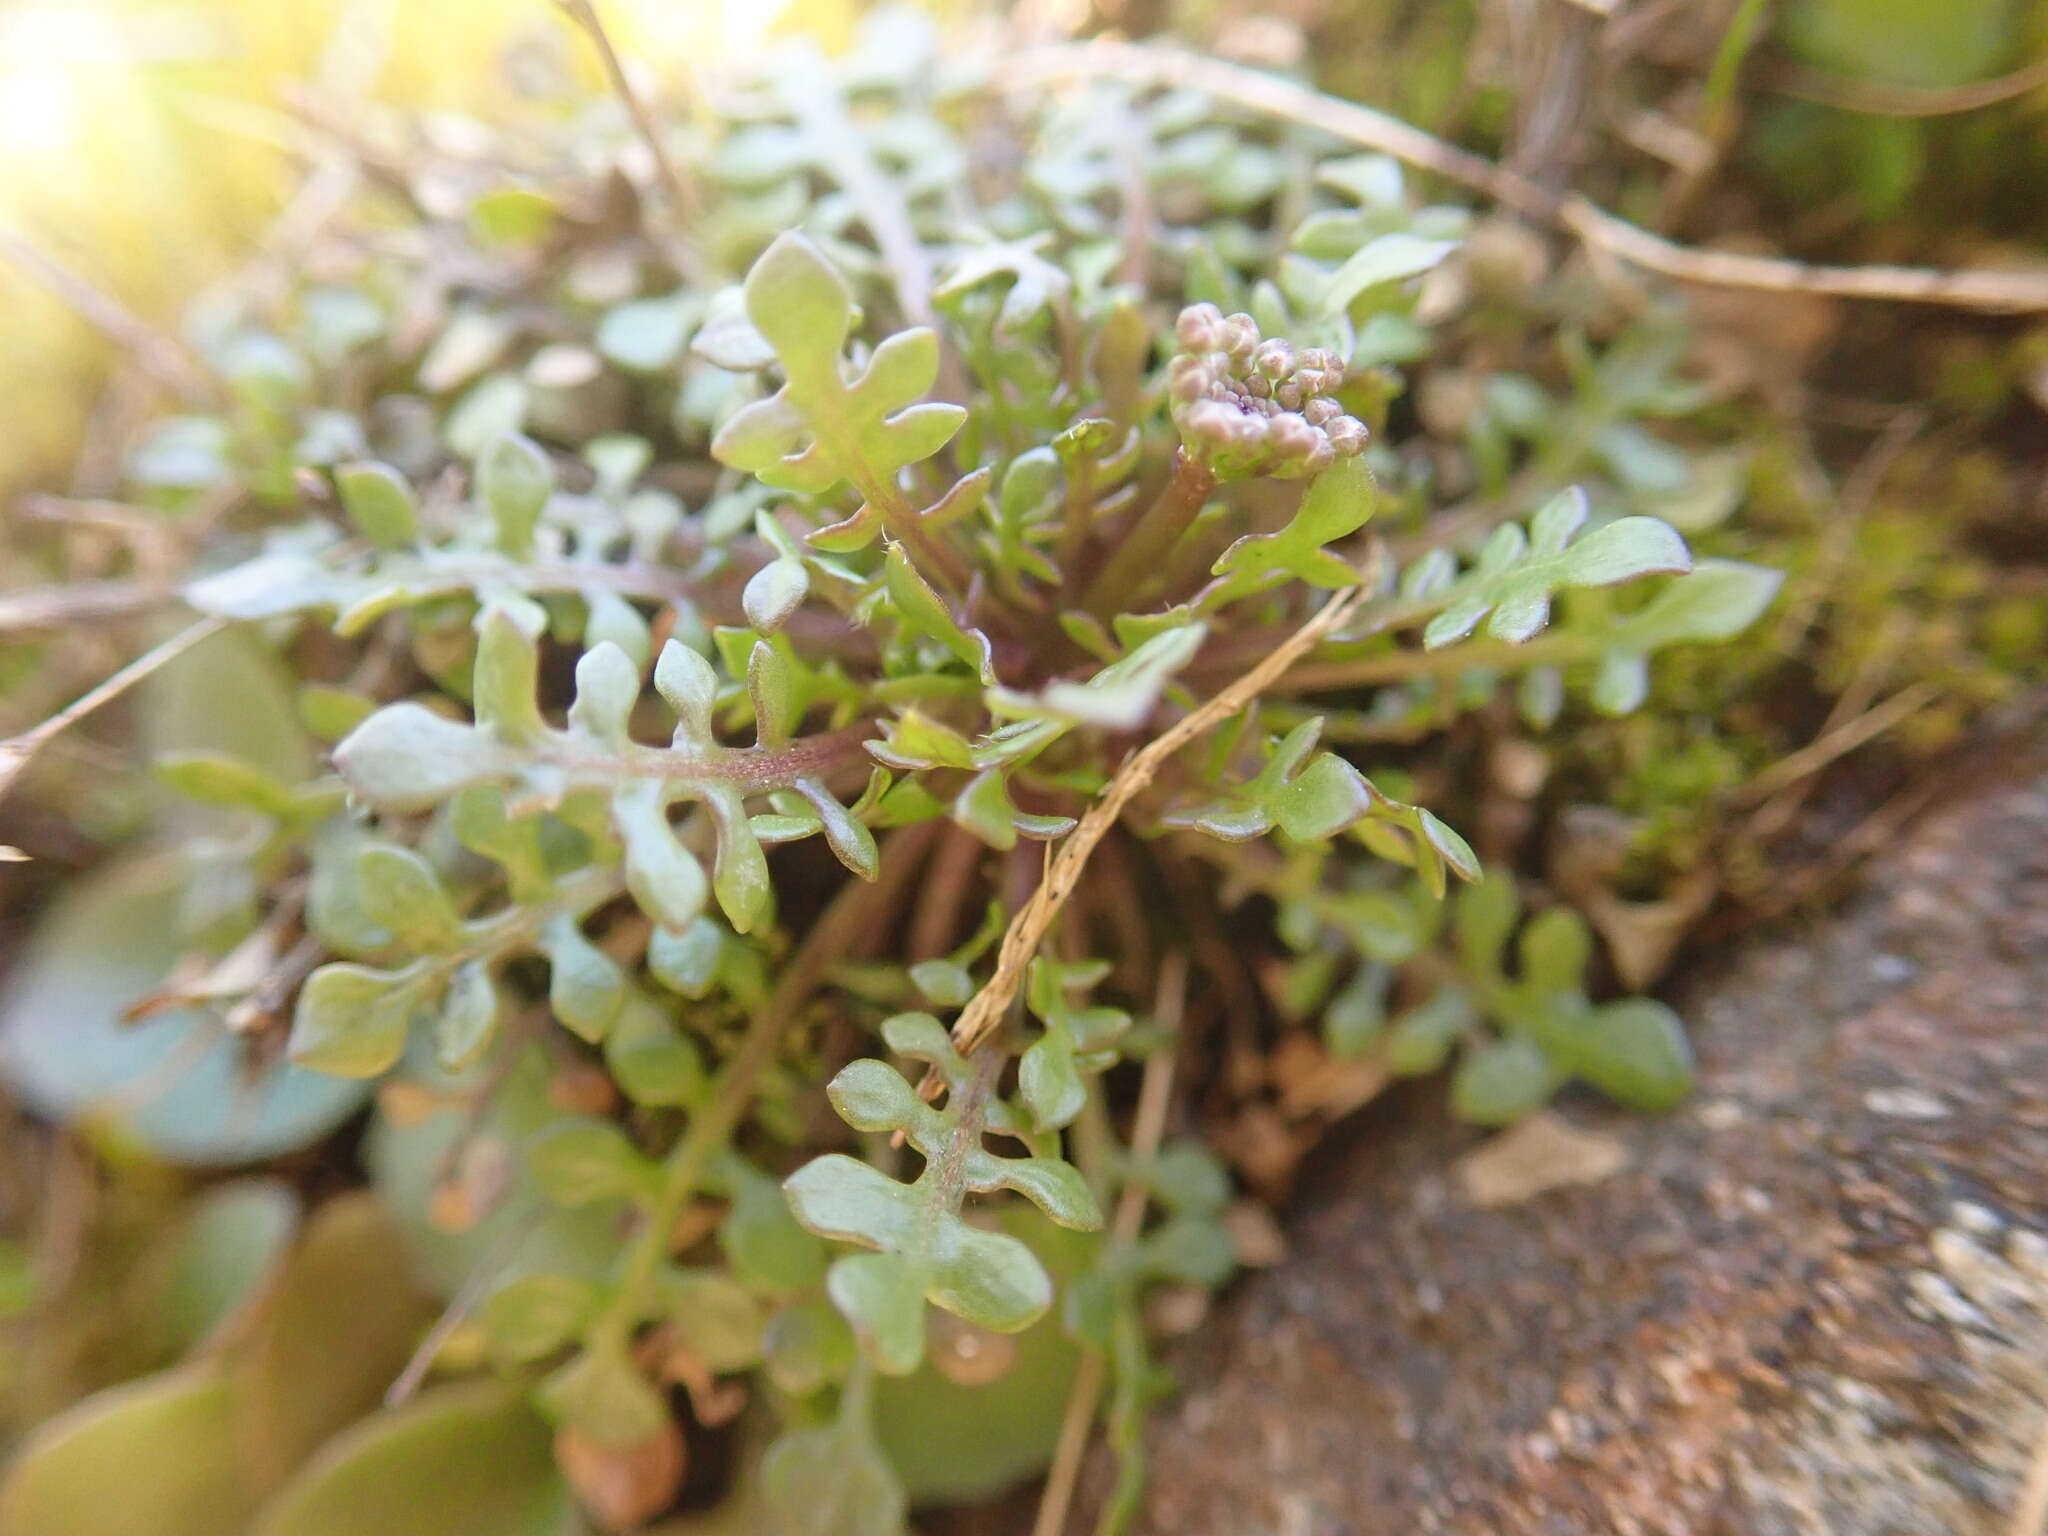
(1027, 930)
(158, 355)
(1148, 1127)
(1875, 99)
(684, 198)
(1840, 741)
(17, 752)
(476, 1285)
(2017, 292)
(81, 602)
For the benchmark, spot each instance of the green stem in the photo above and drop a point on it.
(750, 770)
(1727, 66)
(1138, 558)
(1406, 666)
(1076, 518)
(576, 895)
(944, 1180)
(852, 911)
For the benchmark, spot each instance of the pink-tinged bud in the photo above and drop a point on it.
(1292, 435)
(1289, 396)
(1330, 372)
(1240, 335)
(1319, 412)
(1347, 434)
(1316, 359)
(1211, 423)
(1190, 383)
(1257, 387)
(1274, 359)
(1320, 457)
(1200, 328)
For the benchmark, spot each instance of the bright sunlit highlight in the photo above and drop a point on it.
(56, 62)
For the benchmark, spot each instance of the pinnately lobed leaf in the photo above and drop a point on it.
(991, 505)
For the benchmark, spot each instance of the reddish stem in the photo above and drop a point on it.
(1138, 559)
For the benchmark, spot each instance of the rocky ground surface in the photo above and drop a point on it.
(1813, 1301)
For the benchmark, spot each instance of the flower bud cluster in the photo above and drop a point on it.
(1248, 405)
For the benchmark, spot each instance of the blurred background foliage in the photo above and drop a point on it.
(1892, 464)
(148, 144)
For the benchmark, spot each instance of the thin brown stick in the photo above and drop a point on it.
(1148, 1127)
(1816, 755)
(132, 523)
(1837, 541)
(1027, 930)
(1075, 1427)
(1970, 288)
(1777, 812)
(476, 1285)
(1239, 1001)
(682, 191)
(80, 602)
(848, 917)
(158, 355)
(1879, 100)
(17, 752)
(1876, 830)
(2015, 292)
(943, 901)
(1155, 1094)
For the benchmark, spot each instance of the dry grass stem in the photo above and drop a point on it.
(1027, 930)
(2016, 292)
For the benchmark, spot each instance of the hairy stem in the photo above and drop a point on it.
(750, 770)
